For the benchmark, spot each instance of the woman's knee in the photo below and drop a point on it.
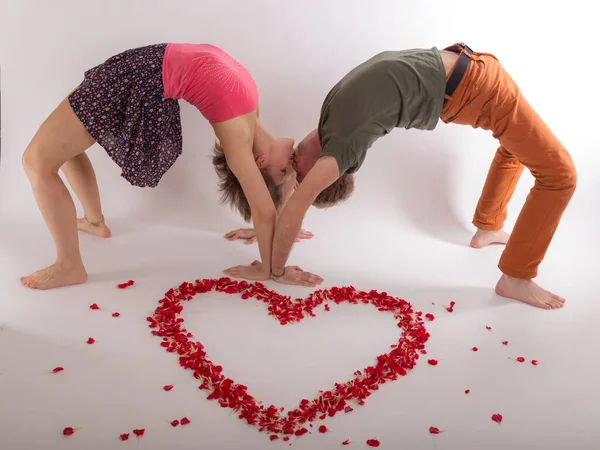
(35, 160)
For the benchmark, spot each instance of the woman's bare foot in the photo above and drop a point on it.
(101, 230)
(54, 276)
(528, 292)
(484, 238)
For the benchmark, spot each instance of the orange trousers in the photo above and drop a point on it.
(488, 98)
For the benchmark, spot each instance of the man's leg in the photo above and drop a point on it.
(488, 98)
(498, 189)
(524, 134)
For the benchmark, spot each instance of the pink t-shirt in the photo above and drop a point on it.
(210, 79)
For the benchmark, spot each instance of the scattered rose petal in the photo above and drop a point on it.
(139, 433)
(124, 436)
(326, 307)
(94, 306)
(185, 421)
(467, 391)
(322, 429)
(423, 352)
(474, 349)
(68, 431)
(373, 443)
(497, 418)
(434, 430)
(301, 431)
(451, 307)
(175, 423)
(286, 438)
(91, 341)
(521, 359)
(116, 314)
(168, 387)
(346, 442)
(488, 328)
(534, 362)
(273, 437)
(432, 362)
(429, 317)
(126, 284)
(348, 409)
(504, 342)
(57, 369)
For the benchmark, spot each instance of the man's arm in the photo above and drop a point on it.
(324, 172)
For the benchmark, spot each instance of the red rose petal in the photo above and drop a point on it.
(346, 442)
(434, 430)
(185, 421)
(322, 429)
(504, 342)
(124, 436)
(429, 317)
(301, 431)
(326, 307)
(521, 359)
(57, 369)
(273, 437)
(534, 362)
(432, 362)
(497, 418)
(373, 443)
(90, 341)
(467, 391)
(116, 314)
(168, 387)
(348, 409)
(94, 306)
(68, 431)
(175, 423)
(286, 438)
(139, 433)
(474, 349)
(488, 328)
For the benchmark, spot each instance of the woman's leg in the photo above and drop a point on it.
(61, 137)
(81, 177)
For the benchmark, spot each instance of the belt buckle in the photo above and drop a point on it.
(465, 47)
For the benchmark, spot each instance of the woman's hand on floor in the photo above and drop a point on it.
(253, 272)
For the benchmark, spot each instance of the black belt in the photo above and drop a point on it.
(459, 70)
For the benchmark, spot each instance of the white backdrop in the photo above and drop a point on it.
(405, 231)
(297, 50)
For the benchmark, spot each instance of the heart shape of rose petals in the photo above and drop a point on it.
(167, 324)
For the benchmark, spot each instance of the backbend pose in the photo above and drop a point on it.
(414, 89)
(129, 106)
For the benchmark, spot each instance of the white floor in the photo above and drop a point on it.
(115, 385)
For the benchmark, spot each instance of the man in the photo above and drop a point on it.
(413, 89)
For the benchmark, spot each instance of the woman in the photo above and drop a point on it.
(129, 106)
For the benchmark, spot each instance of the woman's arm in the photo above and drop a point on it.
(237, 137)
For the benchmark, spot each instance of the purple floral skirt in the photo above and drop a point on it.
(121, 104)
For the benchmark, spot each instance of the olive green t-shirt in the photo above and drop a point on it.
(394, 89)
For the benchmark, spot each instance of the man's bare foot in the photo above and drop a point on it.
(101, 230)
(484, 238)
(528, 292)
(55, 276)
